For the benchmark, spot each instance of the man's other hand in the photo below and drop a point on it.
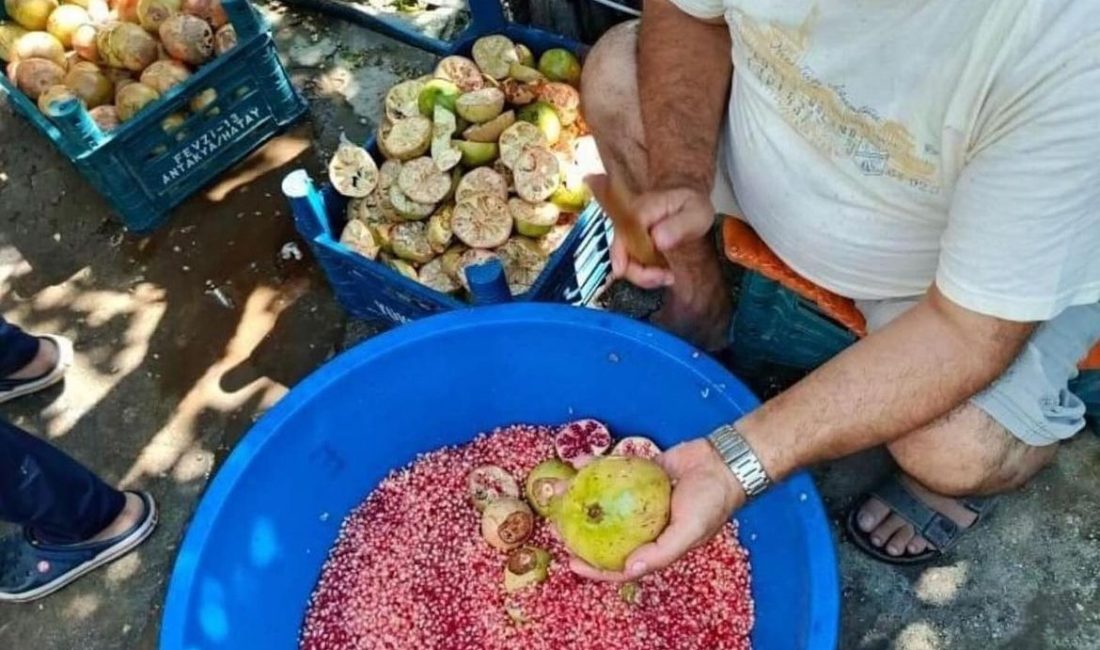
(705, 495)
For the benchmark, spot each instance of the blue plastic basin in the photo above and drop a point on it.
(261, 534)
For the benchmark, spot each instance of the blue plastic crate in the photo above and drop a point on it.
(143, 171)
(373, 291)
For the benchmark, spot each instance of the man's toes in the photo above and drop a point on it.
(899, 542)
(872, 514)
(917, 545)
(886, 530)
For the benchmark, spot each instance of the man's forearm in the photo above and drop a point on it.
(915, 370)
(684, 71)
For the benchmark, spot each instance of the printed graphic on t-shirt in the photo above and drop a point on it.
(823, 114)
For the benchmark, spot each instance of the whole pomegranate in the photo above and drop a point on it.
(153, 13)
(84, 42)
(209, 10)
(89, 84)
(36, 76)
(105, 117)
(614, 505)
(162, 75)
(31, 14)
(132, 98)
(188, 39)
(54, 95)
(127, 46)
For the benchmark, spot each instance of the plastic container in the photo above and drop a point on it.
(143, 171)
(259, 539)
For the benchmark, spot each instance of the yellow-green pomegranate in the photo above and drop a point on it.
(613, 506)
(9, 34)
(64, 21)
(38, 45)
(31, 14)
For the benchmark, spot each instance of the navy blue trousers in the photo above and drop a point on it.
(55, 498)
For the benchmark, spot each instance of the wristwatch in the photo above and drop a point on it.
(741, 459)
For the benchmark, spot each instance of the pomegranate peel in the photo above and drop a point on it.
(639, 446)
(488, 483)
(579, 441)
(541, 484)
(507, 523)
(527, 566)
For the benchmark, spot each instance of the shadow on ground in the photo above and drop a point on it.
(183, 338)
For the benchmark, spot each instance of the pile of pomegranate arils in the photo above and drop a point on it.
(446, 554)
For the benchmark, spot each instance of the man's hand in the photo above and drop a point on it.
(678, 221)
(704, 496)
(671, 218)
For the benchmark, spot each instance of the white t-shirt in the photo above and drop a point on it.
(879, 147)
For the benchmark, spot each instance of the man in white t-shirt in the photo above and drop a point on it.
(936, 161)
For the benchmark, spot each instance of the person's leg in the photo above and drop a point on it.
(29, 363)
(612, 109)
(56, 499)
(17, 349)
(995, 443)
(611, 105)
(966, 454)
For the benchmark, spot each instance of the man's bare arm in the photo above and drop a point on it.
(684, 72)
(897, 380)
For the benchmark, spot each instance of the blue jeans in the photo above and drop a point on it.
(56, 499)
(17, 348)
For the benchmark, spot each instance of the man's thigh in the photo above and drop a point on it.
(1032, 399)
(612, 106)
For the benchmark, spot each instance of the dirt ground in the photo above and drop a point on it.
(185, 337)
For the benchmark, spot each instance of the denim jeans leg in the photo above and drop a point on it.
(17, 348)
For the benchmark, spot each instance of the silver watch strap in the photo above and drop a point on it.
(741, 459)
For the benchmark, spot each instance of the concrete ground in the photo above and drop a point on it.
(185, 337)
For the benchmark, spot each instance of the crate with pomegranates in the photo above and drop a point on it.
(150, 99)
(479, 163)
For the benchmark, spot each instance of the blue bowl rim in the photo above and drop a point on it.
(824, 619)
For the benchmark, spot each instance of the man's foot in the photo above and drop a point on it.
(905, 521)
(30, 569)
(55, 356)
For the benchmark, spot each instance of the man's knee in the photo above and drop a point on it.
(967, 454)
(609, 73)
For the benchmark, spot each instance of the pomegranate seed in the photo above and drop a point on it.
(410, 570)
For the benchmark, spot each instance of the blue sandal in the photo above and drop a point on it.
(940, 530)
(30, 569)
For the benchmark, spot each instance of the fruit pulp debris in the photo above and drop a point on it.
(409, 570)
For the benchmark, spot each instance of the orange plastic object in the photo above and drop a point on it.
(1092, 361)
(743, 246)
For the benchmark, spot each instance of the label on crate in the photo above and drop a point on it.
(389, 313)
(208, 144)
